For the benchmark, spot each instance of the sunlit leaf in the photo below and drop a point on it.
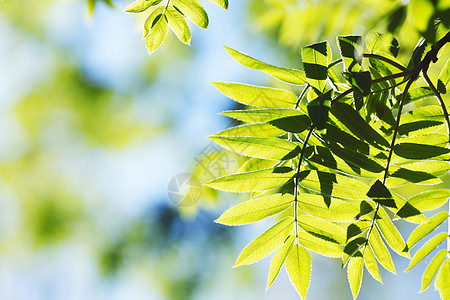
(319, 245)
(371, 263)
(432, 268)
(262, 115)
(221, 3)
(278, 260)
(430, 200)
(355, 273)
(322, 229)
(424, 229)
(266, 243)
(265, 148)
(255, 130)
(419, 151)
(443, 279)
(315, 64)
(292, 76)
(391, 234)
(141, 5)
(298, 266)
(149, 22)
(427, 248)
(380, 250)
(257, 95)
(444, 78)
(255, 209)
(318, 109)
(178, 25)
(157, 34)
(338, 211)
(252, 181)
(351, 52)
(193, 11)
(379, 193)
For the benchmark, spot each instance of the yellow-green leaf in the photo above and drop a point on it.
(255, 209)
(193, 11)
(355, 273)
(258, 130)
(430, 200)
(178, 25)
(261, 115)
(442, 282)
(292, 76)
(266, 243)
(157, 34)
(391, 233)
(278, 260)
(257, 95)
(432, 268)
(426, 249)
(380, 251)
(298, 266)
(318, 245)
(252, 181)
(424, 229)
(322, 229)
(157, 12)
(371, 263)
(315, 64)
(221, 3)
(338, 211)
(141, 5)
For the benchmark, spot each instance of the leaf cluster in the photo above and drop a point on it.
(329, 161)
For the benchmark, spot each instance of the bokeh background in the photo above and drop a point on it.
(93, 130)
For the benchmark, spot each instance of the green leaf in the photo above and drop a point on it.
(351, 52)
(432, 268)
(338, 211)
(415, 94)
(291, 76)
(379, 193)
(412, 127)
(425, 172)
(322, 229)
(361, 83)
(319, 245)
(443, 279)
(178, 25)
(426, 249)
(380, 251)
(371, 263)
(357, 228)
(352, 248)
(444, 78)
(193, 11)
(355, 273)
(263, 115)
(391, 233)
(335, 134)
(157, 34)
(430, 200)
(294, 124)
(252, 181)
(424, 229)
(278, 260)
(315, 64)
(266, 243)
(265, 148)
(256, 130)
(221, 3)
(418, 151)
(318, 109)
(355, 158)
(333, 185)
(257, 95)
(298, 266)
(357, 125)
(141, 5)
(255, 209)
(149, 22)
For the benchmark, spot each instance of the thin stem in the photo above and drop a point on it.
(441, 101)
(302, 95)
(296, 179)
